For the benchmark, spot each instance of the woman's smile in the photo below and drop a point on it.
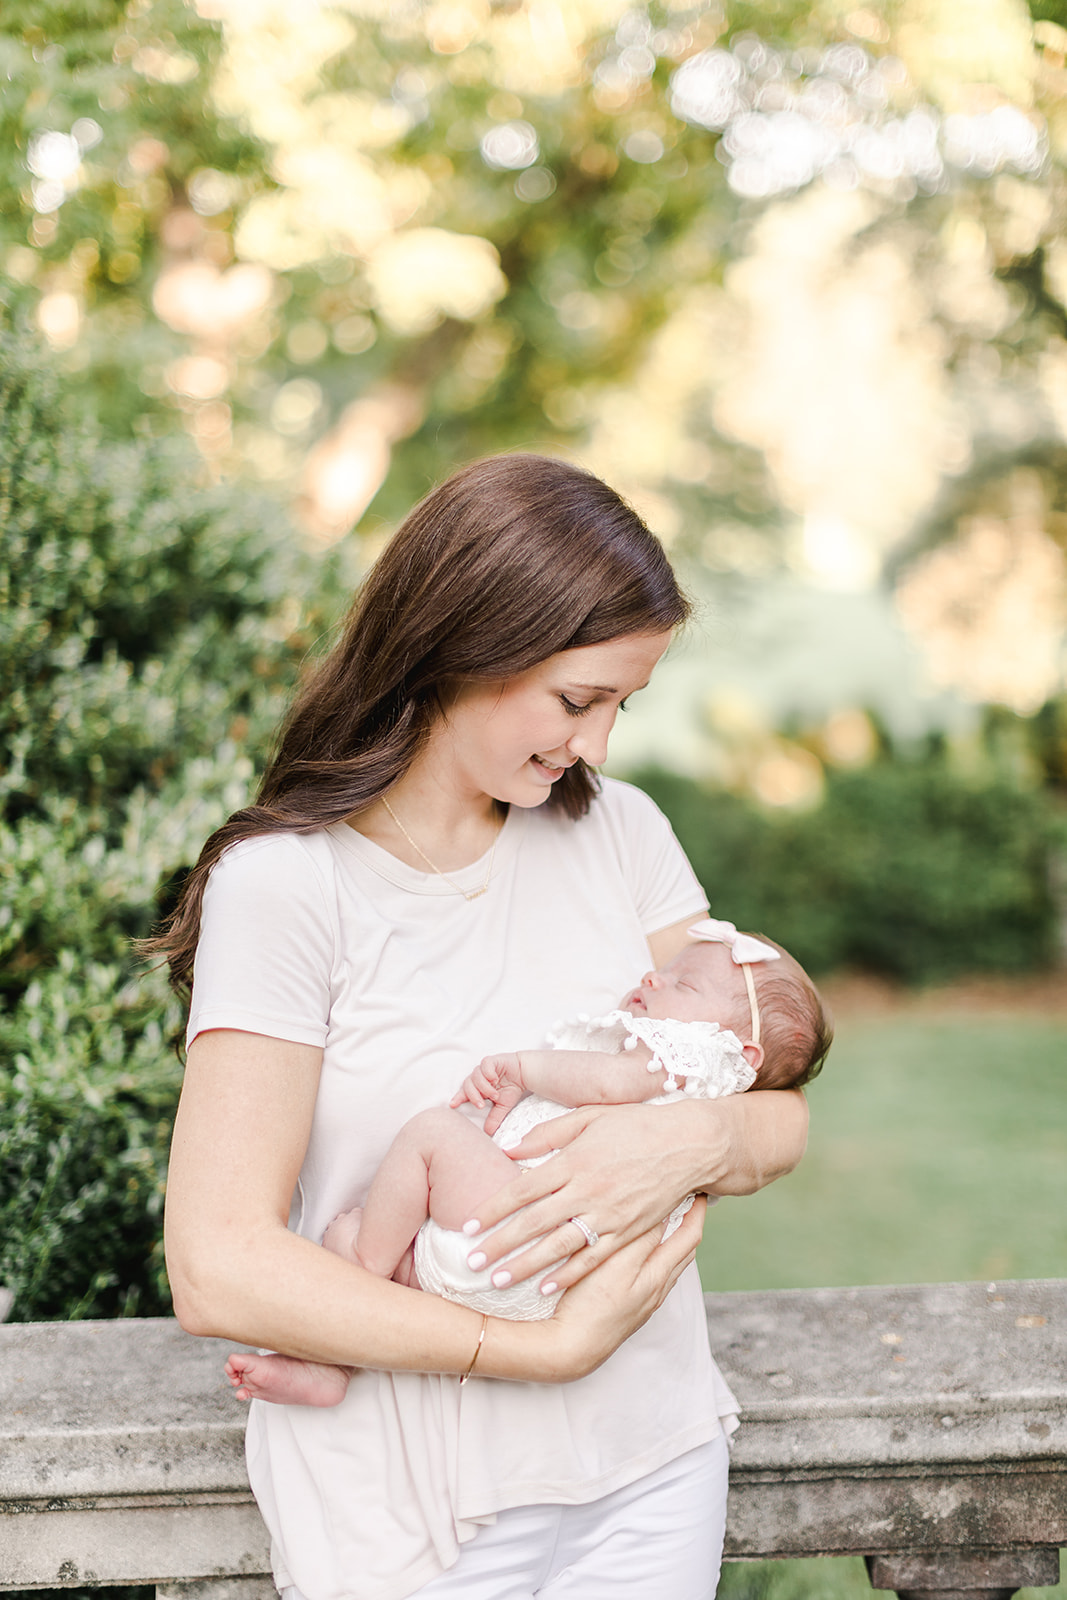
(553, 769)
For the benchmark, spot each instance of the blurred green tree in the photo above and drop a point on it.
(346, 250)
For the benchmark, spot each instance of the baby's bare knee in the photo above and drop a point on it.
(427, 1130)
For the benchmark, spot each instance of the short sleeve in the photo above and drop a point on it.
(267, 946)
(663, 884)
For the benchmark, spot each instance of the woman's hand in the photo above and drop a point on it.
(610, 1304)
(618, 1168)
(622, 1169)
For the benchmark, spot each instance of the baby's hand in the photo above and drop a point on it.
(497, 1079)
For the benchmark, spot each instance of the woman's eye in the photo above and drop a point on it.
(624, 705)
(572, 709)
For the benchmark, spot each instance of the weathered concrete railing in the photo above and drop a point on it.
(924, 1428)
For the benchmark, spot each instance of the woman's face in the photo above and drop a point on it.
(514, 740)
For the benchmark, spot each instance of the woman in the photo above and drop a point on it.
(430, 873)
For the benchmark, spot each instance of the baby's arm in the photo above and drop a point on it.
(591, 1077)
(570, 1077)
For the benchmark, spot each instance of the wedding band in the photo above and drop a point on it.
(591, 1235)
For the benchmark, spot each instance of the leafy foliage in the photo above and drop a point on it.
(308, 146)
(141, 76)
(146, 648)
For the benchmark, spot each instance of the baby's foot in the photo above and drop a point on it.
(342, 1233)
(286, 1381)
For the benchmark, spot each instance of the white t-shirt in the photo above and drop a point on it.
(326, 939)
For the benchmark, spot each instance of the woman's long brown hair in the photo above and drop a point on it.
(510, 561)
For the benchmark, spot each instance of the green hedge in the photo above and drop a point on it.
(907, 868)
(147, 645)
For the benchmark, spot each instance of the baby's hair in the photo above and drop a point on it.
(796, 1028)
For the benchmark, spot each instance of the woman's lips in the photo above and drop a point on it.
(552, 769)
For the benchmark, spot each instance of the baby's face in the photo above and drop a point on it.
(703, 984)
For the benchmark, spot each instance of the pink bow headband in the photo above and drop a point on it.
(744, 950)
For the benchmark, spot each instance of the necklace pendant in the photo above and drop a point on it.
(475, 894)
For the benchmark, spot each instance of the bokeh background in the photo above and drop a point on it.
(793, 278)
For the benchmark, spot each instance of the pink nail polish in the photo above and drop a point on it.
(501, 1279)
(549, 1288)
(477, 1261)
(472, 1227)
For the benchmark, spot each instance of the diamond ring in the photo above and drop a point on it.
(591, 1235)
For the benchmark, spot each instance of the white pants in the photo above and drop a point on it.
(658, 1539)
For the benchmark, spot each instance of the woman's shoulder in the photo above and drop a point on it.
(623, 805)
(298, 865)
(279, 848)
(631, 831)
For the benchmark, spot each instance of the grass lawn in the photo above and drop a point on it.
(938, 1152)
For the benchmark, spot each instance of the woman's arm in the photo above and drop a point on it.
(670, 942)
(238, 1273)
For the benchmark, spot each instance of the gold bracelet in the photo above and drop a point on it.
(477, 1349)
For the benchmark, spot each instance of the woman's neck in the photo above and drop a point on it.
(425, 818)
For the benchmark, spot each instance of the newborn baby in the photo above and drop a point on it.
(731, 1011)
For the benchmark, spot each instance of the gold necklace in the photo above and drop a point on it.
(468, 894)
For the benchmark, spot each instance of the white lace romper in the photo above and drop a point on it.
(702, 1060)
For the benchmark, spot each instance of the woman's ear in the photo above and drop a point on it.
(753, 1054)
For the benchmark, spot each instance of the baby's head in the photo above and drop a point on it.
(771, 1005)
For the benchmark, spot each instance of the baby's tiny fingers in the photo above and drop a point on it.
(488, 1083)
(497, 1113)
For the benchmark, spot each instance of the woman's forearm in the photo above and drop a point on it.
(743, 1142)
(278, 1290)
(281, 1291)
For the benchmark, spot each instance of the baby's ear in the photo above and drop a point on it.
(753, 1054)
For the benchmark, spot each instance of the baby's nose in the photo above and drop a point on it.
(651, 980)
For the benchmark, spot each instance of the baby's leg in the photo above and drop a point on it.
(440, 1165)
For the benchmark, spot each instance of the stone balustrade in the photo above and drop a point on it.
(924, 1428)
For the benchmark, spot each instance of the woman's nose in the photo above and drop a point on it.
(590, 741)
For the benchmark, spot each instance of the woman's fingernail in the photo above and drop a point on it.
(473, 1226)
(477, 1261)
(501, 1279)
(509, 1141)
(549, 1288)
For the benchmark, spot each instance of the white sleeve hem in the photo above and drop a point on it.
(669, 918)
(286, 1028)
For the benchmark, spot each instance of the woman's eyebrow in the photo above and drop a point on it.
(604, 688)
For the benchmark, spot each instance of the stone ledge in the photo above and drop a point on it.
(924, 1424)
(938, 1373)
